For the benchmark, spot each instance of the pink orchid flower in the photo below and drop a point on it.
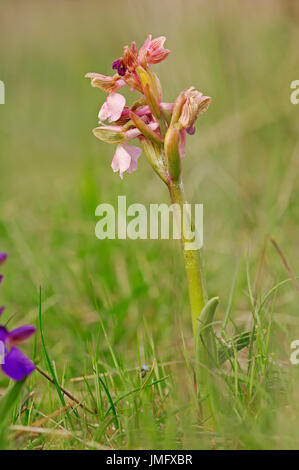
(126, 156)
(112, 108)
(152, 51)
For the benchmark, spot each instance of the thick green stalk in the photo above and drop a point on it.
(202, 312)
(193, 263)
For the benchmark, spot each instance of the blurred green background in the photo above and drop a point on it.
(242, 164)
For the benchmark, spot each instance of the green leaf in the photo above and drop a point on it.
(207, 362)
(238, 342)
(206, 350)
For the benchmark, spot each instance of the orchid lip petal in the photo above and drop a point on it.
(191, 129)
(120, 67)
(125, 159)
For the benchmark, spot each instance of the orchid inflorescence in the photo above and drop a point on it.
(160, 127)
(15, 365)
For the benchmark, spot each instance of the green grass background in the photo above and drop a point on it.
(109, 306)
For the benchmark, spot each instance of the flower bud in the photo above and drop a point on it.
(153, 51)
(151, 89)
(196, 103)
(172, 152)
(178, 106)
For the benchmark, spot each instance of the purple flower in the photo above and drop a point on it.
(3, 257)
(13, 362)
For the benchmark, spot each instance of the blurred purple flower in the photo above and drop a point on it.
(15, 364)
(3, 257)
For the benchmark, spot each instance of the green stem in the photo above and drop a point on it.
(193, 263)
(202, 312)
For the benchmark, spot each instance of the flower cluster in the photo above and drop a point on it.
(14, 363)
(160, 127)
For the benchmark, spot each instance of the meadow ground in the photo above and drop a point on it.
(110, 306)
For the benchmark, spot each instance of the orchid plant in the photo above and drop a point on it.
(161, 129)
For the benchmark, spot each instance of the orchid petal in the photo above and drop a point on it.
(132, 134)
(112, 108)
(153, 51)
(106, 83)
(125, 159)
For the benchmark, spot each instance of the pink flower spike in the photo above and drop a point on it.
(125, 159)
(153, 51)
(112, 107)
